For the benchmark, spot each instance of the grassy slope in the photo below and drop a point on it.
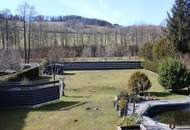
(97, 88)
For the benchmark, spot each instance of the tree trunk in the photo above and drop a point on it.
(3, 39)
(82, 40)
(116, 37)
(25, 51)
(105, 39)
(15, 40)
(6, 31)
(29, 44)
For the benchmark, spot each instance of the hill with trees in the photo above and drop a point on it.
(74, 20)
(36, 36)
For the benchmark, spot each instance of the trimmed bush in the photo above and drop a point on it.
(138, 83)
(173, 74)
(155, 51)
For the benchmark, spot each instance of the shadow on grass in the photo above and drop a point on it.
(161, 94)
(166, 94)
(182, 92)
(75, 96)
(14, 118)
(57, 106)
(68, 73)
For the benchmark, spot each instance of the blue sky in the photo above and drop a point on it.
(124, 12)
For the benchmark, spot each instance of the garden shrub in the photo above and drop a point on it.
(173, 74)
(155, 51)
(138, 82)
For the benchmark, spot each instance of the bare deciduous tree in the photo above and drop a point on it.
(26, 12)
(31, 13)
(5, 26)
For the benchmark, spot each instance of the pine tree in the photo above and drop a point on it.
(188, 21)
(177, 25)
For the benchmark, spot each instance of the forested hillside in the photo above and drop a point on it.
(37, 36)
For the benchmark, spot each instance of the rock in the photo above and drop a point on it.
(96, 108)
(87, 108)
(75, 120)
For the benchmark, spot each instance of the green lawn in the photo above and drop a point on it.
(93, 89)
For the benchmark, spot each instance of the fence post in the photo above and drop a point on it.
(60, 88)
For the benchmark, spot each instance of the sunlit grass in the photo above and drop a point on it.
(97, 88)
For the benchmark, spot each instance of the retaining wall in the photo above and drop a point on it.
(29, 95)
(103, 65)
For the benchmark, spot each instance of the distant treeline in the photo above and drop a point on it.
(72, 19)
(38, 36)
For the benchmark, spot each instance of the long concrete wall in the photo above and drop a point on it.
(103, 65)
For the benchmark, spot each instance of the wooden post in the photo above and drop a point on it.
(54, 76)
(134, 106)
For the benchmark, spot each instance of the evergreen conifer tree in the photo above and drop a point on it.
(178, 25)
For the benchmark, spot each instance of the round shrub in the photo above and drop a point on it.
(173, 74)
(138, 83)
